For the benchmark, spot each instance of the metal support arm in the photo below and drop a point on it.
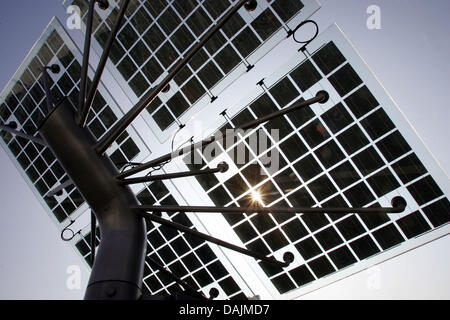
(321, 97)
(222, 167)
(142, 211)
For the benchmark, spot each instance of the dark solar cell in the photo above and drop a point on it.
(191, 262)
(425, 190)
(155, 239)
(182, 38)
(328, 58)
(293, 148)
(314, 133)
(180, 246)
(258, 246)
(158, 189)
(321, 266)
(438, 212)
(374, 220)
(182, 75)
(215, 43)
(283, 283)
(229, 286)
(177, 104)
(308, 248)
(409, 168)
(152, 70)
(364, 247)
(167, 54)
(276, 240)
(368, 161)
(329, 154)
(413, 225)
(154, 37)
(278, 128)
(377, 124)
(169, 21)
(337, 118)
(254, 174)
(146, 198)
(322, 187)
(294, 230)
(388, 236)
(359, 195)
(184, 7)
(155, 6)
(307, 168)
(383, 182)
(263, 106)
(153, 283)
(344, 175)
(270, 269)
(328, 238)
(217, 270)
(236, 185)
(233, 25)
(178, 269)
(227, 59)
(199, 21)
(207, 182)
(305, 75)
(219, 196)
(352, 139)
(203, 278)
(350, 227)
(82, 247)
(262, 222)
(266, 24)
(287, 180)
(199, 59)
(209, 75)
(345, 80)
(284, 92)
(140, 53)
(393, 146)
(342, 257)
(301, 199)
(139, 84)
(361, 102)
(246, 42)
(163, 118)
(300, 116)
(301, 275)
(128, 36)
(127, 68)
(245, 231)
(286, 9)
(141, 20)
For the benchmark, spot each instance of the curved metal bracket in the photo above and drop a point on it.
(306, 42)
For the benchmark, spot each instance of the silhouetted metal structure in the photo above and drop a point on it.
(118, 267)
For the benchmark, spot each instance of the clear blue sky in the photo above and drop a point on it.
(409, 55)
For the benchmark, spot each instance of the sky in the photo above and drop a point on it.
(409, 55)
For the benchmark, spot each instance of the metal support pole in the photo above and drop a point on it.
(86, 53)
(142, 211)
(321, 97)
(93, 233)
(84, 112)
(398, 206)
(23, 135)
(48, 97)
(119, 264)
(128, 118)
(222, 167)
